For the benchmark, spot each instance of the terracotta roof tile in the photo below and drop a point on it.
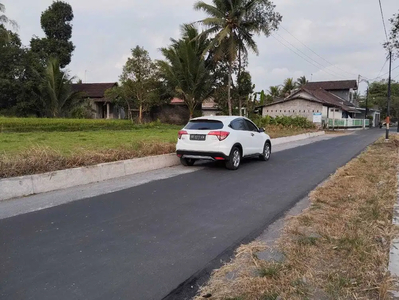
(332, 85)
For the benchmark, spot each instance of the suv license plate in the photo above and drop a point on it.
(197, 137)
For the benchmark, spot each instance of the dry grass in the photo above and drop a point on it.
(336, 249)
(40, 159)
(276, 131)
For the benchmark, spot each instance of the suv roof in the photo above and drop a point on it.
(224, 119)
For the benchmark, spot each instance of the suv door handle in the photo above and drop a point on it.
(252, 134)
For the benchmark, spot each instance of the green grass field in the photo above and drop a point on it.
(69, 143)
(31, 146)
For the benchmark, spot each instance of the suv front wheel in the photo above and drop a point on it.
(267, 151)
(234, 159)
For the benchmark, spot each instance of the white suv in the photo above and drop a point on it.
(222, 138)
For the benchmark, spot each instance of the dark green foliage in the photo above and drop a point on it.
(378, 96)
(284, 121)
(56, 24)
(185, 71)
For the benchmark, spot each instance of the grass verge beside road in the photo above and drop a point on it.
(336, 249)
(31, 146)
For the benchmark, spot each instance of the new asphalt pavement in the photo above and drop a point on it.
(146, 241)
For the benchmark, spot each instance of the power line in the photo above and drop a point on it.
(381, 77)
(379, 73)
(320, 65)
(331, 64)
(383, 20)
(302, 56)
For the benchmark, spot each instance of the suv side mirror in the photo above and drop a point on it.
(262, 130)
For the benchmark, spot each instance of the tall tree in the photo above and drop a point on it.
(245, 87)
(57, 95)
(56, 24)
(301, 81)
(11, 69)
(394, 34)
(185, 70)
(275, 91)
(4, 21)
(378, 93)
(288, 87)
(139, 79)
(233, 24)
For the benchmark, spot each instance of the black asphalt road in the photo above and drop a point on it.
(141, 243)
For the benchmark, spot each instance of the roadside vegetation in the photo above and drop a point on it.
(336, 249)
(37, 145)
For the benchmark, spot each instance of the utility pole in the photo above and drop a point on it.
(389, 96)
(367, 105)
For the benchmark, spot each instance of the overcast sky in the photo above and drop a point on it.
(345, 37)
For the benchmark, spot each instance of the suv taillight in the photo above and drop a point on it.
(221, 135)
(181, 133)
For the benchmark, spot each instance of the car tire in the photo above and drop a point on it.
(187, 162)
(267, 152)
(234, 159)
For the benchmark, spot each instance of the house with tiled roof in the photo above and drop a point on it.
(344, 89)
(330, 101)
(95, 94)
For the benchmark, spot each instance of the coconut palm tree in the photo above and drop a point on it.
(288, 87)
(275, 91)
(185, 70)
(4, 21)
(301, 81)
(57, 95)
(232, 23)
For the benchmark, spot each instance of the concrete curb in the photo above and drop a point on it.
(41, 183)
(394, 253)
(295, 138)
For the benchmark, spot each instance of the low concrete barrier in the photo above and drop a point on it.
(295, 138)
(57, 180)
(63, 179)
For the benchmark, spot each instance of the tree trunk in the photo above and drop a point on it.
(141, 113)
(229, 90)
(129, 112)
(238, 81)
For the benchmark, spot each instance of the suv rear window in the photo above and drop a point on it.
(204, 125)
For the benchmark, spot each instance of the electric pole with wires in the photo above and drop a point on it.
(389, 96)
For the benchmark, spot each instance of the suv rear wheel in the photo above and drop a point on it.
(187, 161)
(234, 159)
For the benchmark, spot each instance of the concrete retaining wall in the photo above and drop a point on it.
(42, 183)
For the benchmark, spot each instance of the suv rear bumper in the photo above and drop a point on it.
(202, 155)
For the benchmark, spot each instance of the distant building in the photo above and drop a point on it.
(344, 89)
(95, 93)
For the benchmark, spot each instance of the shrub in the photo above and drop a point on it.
(284, 121)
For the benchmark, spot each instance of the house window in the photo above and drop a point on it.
(313, 110)
(289, 111)
(317, 111)
(284, 111)
(280, 110)
(337, 110)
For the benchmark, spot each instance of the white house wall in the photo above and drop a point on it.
(293, 108)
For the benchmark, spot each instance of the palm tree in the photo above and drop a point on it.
(233, 23)
(185, 70)
(58, 97)
(288, 87)
(4, 20)
(301, 81)
(275, 91)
